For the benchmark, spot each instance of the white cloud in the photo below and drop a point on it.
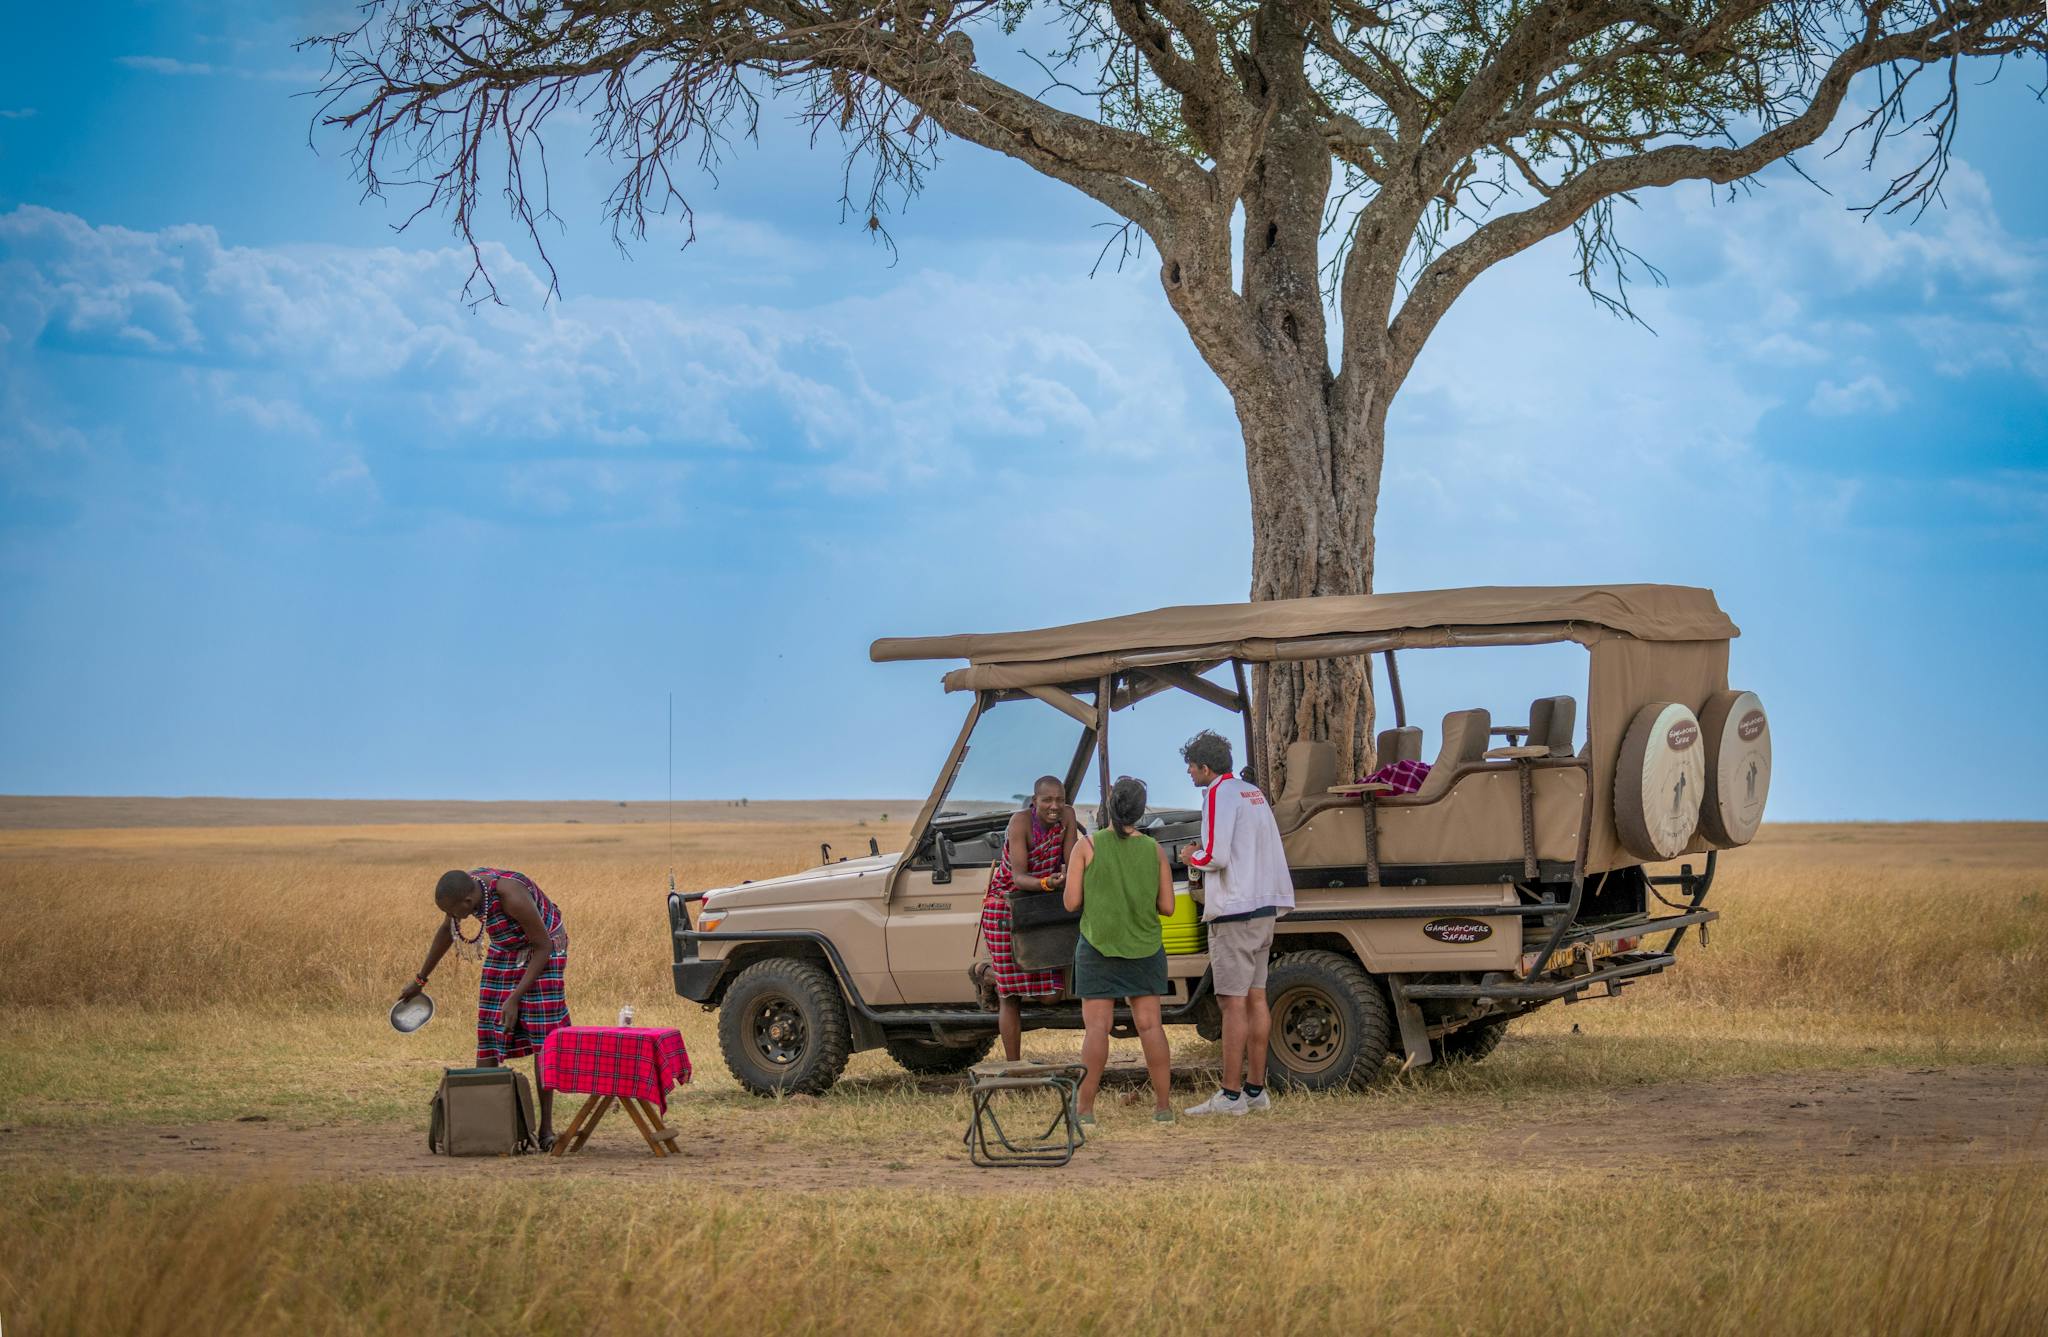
(16, 113)
(1868, 393)
(306, 77)
(168, 65)
(1785, 349)
(939, 375)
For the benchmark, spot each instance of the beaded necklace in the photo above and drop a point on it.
(468, 949)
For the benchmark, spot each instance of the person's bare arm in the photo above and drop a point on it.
(435, 951)
(1165, 883)
(539, 947)
(1083, 855)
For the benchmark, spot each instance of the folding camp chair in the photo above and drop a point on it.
(991, 1147)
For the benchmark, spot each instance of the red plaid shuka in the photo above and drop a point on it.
(1047, 855)
(637, 1062)
(546, 1004)
(1405, 776)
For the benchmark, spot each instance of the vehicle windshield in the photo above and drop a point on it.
(1014, 743)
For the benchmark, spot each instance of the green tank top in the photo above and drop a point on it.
(1120, 896)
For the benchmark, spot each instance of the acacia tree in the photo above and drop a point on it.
(1374, 158)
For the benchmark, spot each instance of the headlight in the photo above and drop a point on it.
(709, 920)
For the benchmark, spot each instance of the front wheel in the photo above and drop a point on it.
(1331, 1024)
(783, 1028)
(929, 1058)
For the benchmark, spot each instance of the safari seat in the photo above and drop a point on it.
(1467, 811)
(1465, 733)
(1311, 770)
(1401, 744)
(1551, 719)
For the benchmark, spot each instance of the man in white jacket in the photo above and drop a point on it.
(1245, 887)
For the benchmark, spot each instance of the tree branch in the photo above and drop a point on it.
(1949, 35)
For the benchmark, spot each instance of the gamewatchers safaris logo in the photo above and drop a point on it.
(1457, 929)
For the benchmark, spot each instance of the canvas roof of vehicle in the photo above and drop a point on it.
(1313, 628)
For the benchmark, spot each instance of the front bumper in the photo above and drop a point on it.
(696, 979)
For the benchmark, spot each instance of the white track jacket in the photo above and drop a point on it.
(1243, 866)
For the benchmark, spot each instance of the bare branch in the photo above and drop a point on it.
(1948, 35)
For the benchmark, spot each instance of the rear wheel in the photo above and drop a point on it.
(1469, 1044)
(783, 1028)
(1331, 1026)
(929, 1058)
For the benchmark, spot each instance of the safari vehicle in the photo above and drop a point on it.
(1523, 871)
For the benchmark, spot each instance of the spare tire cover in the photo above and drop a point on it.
(1738, 738)
(1659, 780)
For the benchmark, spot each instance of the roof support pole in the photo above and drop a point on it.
(1196, 685)
(1254, 755)
(1394, 687)
(1103, 696)
(1065, 703)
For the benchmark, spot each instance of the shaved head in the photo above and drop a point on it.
(1048, 784)
(453, 890)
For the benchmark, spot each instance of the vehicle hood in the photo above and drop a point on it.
(867, 875)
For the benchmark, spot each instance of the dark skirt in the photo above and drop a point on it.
(1099, 976)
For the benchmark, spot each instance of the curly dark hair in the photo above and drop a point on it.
(1207, 748)
(1126, 806)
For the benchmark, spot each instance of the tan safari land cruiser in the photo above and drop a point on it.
(1518, 874)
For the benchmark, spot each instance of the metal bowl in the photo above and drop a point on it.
(412, 1013)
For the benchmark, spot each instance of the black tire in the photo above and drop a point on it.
(929, 1058)
(1331, 1023)
(783, 1028)
(1469, 1044)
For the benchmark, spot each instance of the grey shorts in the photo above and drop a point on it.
(1238, 952)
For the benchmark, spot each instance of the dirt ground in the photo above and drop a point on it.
(1764, 1127)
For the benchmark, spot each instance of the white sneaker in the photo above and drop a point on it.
(1257, 1103)
(1218, 1104)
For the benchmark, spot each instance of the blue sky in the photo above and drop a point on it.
(281, 515)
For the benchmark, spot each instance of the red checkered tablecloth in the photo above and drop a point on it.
(641, 1062)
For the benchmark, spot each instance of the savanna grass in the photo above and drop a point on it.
(1282, 1252)
(176, 975)
(221, 971)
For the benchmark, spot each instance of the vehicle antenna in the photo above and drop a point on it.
(671, 792)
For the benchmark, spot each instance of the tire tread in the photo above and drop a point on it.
(810, 984)
(1376, 1021)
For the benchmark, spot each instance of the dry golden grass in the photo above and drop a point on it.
(1279, 1251)
(163, 976)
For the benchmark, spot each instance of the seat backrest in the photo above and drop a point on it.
(1311, 769)
(1402, 744)
(1465, 741)
(1551, 720)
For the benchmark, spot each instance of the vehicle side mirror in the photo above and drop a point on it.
(942, 860)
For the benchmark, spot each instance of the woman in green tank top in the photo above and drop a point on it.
(1121, 885)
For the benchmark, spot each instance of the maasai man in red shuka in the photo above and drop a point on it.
(1034, 860)
(520, 996)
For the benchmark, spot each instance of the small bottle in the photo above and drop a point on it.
(626, 1015)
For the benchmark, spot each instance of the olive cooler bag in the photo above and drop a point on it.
(1043, 930)
(482, 1112)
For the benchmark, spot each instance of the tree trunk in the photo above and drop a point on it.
(1315, 493)
(1312, 447)
(1312, 454)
